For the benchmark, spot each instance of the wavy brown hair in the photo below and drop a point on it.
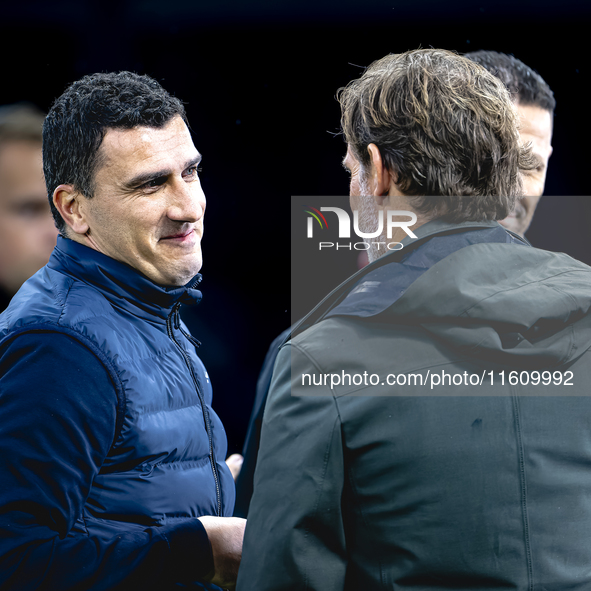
(445, 127)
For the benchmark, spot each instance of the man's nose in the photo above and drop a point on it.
(187, 202)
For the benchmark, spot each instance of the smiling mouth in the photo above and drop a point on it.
(180, 236)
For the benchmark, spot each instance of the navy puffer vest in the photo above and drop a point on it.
(167, 459)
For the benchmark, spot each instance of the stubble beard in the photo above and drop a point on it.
(369, 222)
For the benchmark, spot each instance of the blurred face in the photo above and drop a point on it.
(27, 231)
(536, 127)
(147, 209)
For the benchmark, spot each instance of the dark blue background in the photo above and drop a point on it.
(259, 80)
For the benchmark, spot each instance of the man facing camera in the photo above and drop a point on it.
(113, 472)
(420, 403)
(535, 105)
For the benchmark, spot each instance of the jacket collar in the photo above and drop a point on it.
(440, 226)
(437, 227)
(381, 288)
(122, 285)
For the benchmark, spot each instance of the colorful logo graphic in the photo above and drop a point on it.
(317, 217)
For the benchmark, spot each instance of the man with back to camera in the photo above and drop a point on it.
(535, 105)
(112, 473)
(27, 231)
(398, 476)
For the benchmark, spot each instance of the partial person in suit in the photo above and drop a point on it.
(535, 105)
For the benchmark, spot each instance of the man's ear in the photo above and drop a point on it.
(67, 202)
(382, 178)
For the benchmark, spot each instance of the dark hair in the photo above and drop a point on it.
(79, 119)
(445, 126)
(21, 122)
(526, 86)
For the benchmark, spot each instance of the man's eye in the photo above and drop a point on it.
(158, 182)
(193, 171)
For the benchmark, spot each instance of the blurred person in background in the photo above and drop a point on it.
(27, 231)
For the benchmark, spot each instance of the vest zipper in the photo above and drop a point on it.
(175, 314)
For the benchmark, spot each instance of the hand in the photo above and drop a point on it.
(235, 463)
(225, 536)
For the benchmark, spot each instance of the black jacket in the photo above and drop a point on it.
(444, 462)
